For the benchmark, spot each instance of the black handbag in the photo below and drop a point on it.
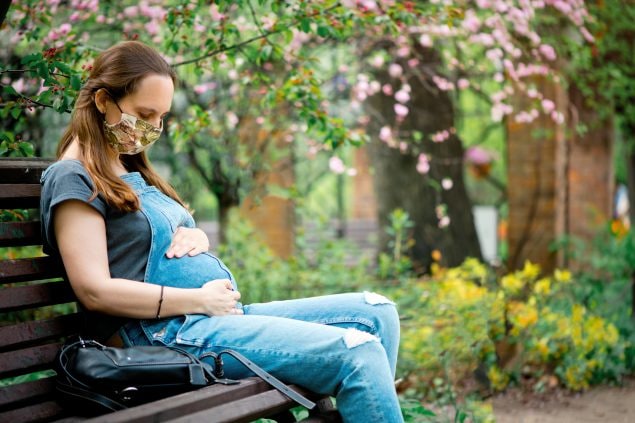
(95, 379)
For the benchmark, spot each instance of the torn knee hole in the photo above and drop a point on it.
(355, 337)
(373, 298)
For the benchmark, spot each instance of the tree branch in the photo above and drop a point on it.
(250, 40)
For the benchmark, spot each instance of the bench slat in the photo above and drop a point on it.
(15, 335)
(244, 410)
(45, 411)
(191, 402)
(28, 360)
(29, 269)
(18, 234)
(30, 296)
(26, 391)
(20, 196)
(22, 170)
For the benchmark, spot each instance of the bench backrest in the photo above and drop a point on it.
(37, 307)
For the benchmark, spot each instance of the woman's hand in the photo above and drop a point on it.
(219, 298)
(190, 241)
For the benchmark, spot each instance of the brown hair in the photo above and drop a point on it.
(119, 70)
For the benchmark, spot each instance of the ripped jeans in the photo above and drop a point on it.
(343, 345)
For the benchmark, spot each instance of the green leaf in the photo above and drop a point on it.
(26, 148)
(30, 58)
(324, 31)
(63, 67)
(15, 112)
(42, 70)
(76, 82)
(305, 25)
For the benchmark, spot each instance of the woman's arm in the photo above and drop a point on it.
(81, 237)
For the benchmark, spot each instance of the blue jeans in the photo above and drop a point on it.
(343, 345)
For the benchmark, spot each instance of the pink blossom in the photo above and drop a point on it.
(402, 96)
(440, 136)
(425, 40)
(471, 21)
(444, 222)
(101, 19)
(215, 14)
(18, 85)
(131, 12)
(65, 28)
(499, 110)
(152, 27)
(351, 171)
(74, 17)
(395, 70)
(401, 110)
(548, 106)
(260, 120)
(377, 61)
(463, 83)
(423, 164)
(587, 35)
(232, 119)
(403, 146)
(387, 89)
(403, 51)
(548, 52)
(385, 133)
(524, 117)
(337, 165)
(447, 183)
(557, 117)
(374, 87)
(413, 63)
(368, 4)
(478, 156)
(484, 4)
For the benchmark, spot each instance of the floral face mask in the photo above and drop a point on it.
(131, 135)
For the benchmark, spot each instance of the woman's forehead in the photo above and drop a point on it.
(154, 92)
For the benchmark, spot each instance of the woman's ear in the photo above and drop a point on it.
(101, 97)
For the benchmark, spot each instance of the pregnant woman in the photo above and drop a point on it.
(141, 269)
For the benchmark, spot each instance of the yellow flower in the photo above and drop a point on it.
(577, 313)
(563, 276)
(522, 315)
(542, 346)
(498, 378)
(530, 271)
(543, 287)
(512, 284)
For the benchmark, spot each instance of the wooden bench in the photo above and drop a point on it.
(37, 312)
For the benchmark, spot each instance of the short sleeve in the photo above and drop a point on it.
(64, 180)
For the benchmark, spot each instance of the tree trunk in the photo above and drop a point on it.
(398, 184)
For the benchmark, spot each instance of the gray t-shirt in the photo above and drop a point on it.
(128, 234)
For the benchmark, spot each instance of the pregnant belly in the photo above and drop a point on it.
(187, 272)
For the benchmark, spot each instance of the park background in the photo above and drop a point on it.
(470, 159)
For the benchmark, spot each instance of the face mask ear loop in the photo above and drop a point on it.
(113, 100)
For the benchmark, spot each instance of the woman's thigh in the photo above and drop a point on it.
(314, 355)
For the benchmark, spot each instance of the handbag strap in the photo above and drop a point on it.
(87, 394)
(262, 373)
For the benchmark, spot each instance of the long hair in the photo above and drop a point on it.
(119, 70)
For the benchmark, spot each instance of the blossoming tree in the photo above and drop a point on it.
(408, 62)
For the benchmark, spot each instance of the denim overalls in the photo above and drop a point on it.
(343, 345)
